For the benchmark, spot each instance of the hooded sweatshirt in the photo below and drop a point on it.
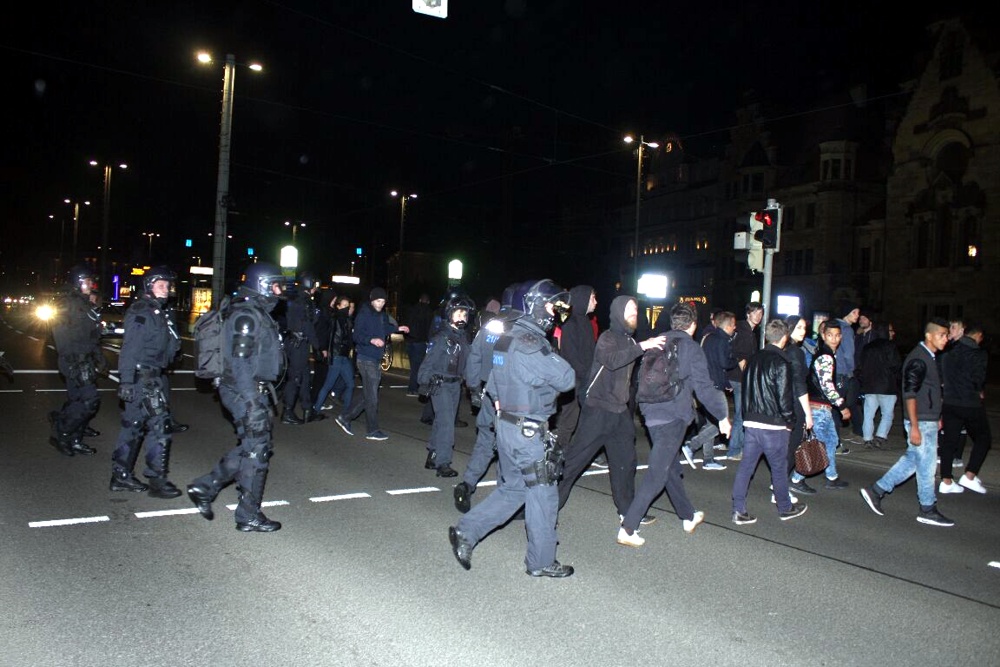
(611, 371)
(576, 343)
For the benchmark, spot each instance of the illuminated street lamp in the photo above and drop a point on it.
(106, 224)
(295, 227)
(151, 235)
(402, 213)
(76, 223)
(222, 186)
(638, 198)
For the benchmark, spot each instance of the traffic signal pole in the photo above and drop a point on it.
(765, 295)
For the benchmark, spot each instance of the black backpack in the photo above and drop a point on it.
(660, 378)
(208, 335)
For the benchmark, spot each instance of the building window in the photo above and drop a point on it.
(877, 255)
(810, 216)
(865, 260)
(756, 183)
(951, 56)
(788, 263)
(835, 169)
(848, 169)
(788, 218)
(807, 262)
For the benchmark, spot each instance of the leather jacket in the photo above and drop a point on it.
(767, 389)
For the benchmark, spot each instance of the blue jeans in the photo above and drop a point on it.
(772, 445)
(887, 404)
(920, 459)
(340, 369)
(736, 436)
(826, 431)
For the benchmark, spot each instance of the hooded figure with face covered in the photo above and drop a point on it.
(605, 420)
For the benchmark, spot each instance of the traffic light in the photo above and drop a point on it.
(749, 241)
(770, 227)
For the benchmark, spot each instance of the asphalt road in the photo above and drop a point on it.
(362, 573)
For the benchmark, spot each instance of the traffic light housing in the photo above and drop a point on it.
(770, 227)
(749, 241)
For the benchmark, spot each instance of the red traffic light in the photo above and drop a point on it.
(769, 229)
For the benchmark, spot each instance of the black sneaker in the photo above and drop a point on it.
(743, 518)
(344, 425)
(801, 488)
(556, 570)
(798, 509)
(463, 497)
(843, 449)
(873, 498)
(878, 443)
(836, 484)
(934, 518)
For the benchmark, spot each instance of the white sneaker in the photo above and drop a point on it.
(688, 455)
(633, 540)
(974, 484)
(950, 488)
(692, 523)
(794, 498)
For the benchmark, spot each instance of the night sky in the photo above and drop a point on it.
(506, 118)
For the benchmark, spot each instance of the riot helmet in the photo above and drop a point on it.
(158, 273)
(260, 276)
(80, 278)
(532, 297)
(307, 281)
(455, 303)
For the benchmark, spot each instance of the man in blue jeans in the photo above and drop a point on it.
(922, 408)
(825, 402)
(371, 328)
(339, 346)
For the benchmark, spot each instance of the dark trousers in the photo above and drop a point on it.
(139, 429)
(484, 450)
(248, 462)
(773, 445)
(82, 403)
(371, 376)
(976, 424)
(442, 441)
(568, 417)
(795, 436)
(297, 386)
(415, 351)
(518, 487)
(664, 473)
(615, 431)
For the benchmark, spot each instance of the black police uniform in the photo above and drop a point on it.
(526, 379)
(150, 343)
(254, 359)
(77, 337)
(441, 372)
(301, 333)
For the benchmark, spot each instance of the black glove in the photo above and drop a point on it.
(127, 392)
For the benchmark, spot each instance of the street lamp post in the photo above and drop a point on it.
(106, 223)
(222, 184)
(638, 200)
(76, 223)
(150, 235)
(295, 228)
(402, 214)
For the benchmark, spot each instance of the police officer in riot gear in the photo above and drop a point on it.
(149, 345)
(300, 320)
(441, 375)
(526, 379)
(77, 336)
(253, 360)
(477, 372)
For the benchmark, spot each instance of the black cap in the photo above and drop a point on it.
(377, 293)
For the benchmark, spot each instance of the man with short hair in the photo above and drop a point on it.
(371, 328)
(922, 415)
(826, 403)
(964, 371)
(745, 345)
(768, 416)
(847, 384)
(718, 347)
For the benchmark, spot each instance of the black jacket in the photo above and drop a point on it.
(767, 389)
(744, 347)
(611, 371)
(576, 342)
(964, 373)
(718, 346)
(922, 382)
(879, 366)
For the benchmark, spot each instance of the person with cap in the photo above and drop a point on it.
(77, 337)
(371, 328)
(149, 345)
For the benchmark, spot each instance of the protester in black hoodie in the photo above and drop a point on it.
(605, 420)
(576, 345)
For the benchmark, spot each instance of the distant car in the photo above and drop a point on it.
(113, 320)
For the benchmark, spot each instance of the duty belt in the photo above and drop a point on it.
(147, 373)
(519, 421)
(447, 379)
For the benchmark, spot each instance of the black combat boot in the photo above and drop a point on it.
(202, 498)
(288, 416)
(122, 480)
(463, 497)
(78, 447)
(258, 524)
(62, 444)
(431, 462)
(161, 487)
(90, 432)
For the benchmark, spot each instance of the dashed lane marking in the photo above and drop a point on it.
(343, 496)
(33, 338)
(147, 515)
(11, 391)
(266, 503)
(422, 489)
(68, 522)
(995, 563)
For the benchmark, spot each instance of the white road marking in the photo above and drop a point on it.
(595, 472)
(146, 515)
(995, 563)
(422, 489)
(343, 496)
(11, 391)
(33, 338)
(51, 347)
(490, 483)
(266, 503)
(40, 371)
(68, 522)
